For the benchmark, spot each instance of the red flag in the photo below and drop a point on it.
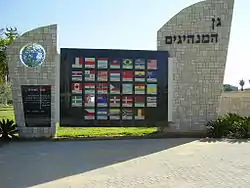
(115, 101)
(102, 88)
(115, 64)
(89, 88)
(76, 88)
(127, 101)
(152, 64)
(90, 114)
(139, 101)
(89, 85)
(127, 76)
(102, 76)
(89, 62)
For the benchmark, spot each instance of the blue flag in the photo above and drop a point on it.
(152, 76)
(102, 100)
(102, 113)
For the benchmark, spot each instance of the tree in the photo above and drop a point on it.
(7, 37)
(242, 83)
(228, 87)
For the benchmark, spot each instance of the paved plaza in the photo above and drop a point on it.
(175, 163)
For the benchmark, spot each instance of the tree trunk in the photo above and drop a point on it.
(6, 98)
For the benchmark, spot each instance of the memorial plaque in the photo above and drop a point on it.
(37, 105)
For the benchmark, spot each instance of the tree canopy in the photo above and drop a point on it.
(7, 37)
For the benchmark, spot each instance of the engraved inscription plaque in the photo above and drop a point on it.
(37, 105)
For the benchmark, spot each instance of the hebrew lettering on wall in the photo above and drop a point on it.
(197, 38)
(192, 39)
(216, 23)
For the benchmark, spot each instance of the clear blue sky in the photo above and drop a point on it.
(122, 24)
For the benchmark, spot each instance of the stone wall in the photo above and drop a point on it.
(235, 102)
(45, 74)
(198, 68)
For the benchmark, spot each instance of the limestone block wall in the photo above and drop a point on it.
(42, 75)
(198, 71)
(235, 102)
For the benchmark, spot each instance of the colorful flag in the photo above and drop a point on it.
(102, 101)
(90, 63)
(115, 76)
(114, 114)
(89, 75)
(102, 76)
(78, 62)
(102, 88)
(115, 88)
(127, 88)
(115, 64)
(127, 76)
(139, 76)
(89, 100)
(139, 101)
(102, 114)
(76, 101)
(152, 89)
(115, 101)
(89, 88)
(139, 114)
(127, 114)
(102, 63)
(151, 101)
(76, 75)
(151, 76)
(76, 88)
(139, 88)
(89, 113)
(127, 101)
(127, 64)
(152, 64)
(140, 64)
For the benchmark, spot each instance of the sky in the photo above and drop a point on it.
(123, 24)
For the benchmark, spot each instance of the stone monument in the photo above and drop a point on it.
(197, 40)
(33, 69)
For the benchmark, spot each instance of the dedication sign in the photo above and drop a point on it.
(113, 87)
(37, 105)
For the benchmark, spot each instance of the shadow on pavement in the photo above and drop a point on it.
(25, 164)
(232, 141)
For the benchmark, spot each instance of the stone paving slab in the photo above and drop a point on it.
(177, 163)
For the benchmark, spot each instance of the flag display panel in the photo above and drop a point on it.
(101, 87)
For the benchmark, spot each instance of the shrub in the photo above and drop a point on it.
(230, 125)
(8, 130)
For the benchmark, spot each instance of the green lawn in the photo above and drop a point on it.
(7, 112)
(102, 131)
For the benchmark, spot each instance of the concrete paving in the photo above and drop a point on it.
(177, 163)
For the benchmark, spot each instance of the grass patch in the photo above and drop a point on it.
(73, 132)
(7, 113)
(102, 131)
